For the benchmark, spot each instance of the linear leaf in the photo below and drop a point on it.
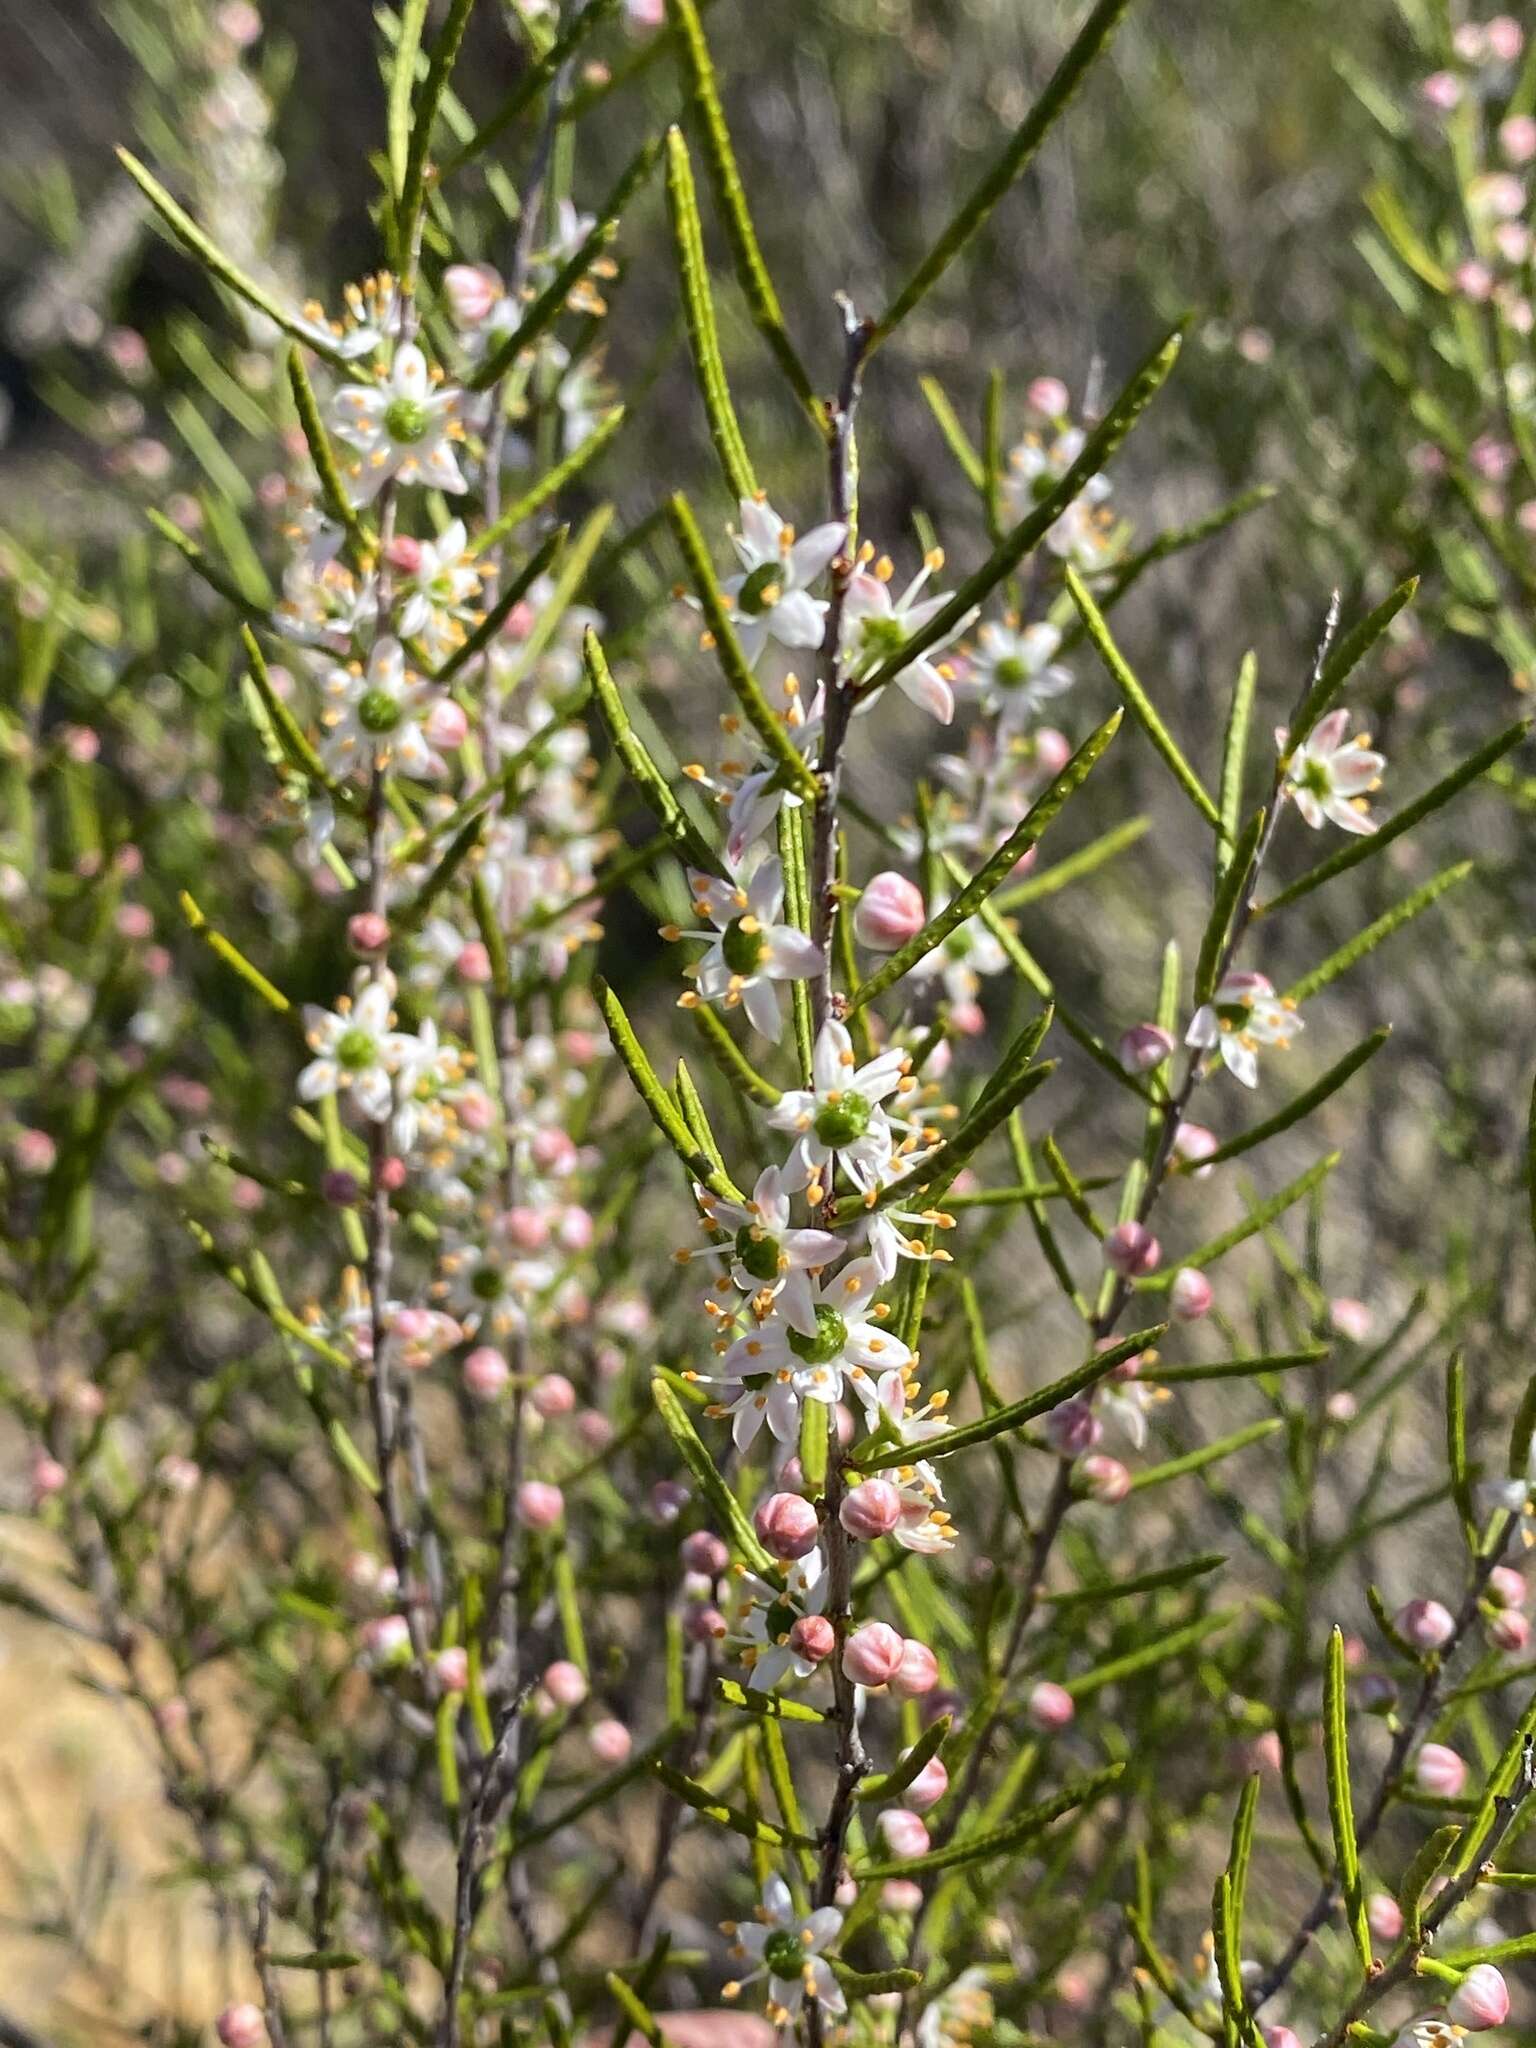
(729, 1057)
(232, 957)
(956, 438)
(1013, 1835)
(1230, 889)
(412, 184)
(751, 270)
(1145, 383)
(332, 490)
(896, 1780)
(1148, 1655)
(1341, 1811)
(768, 1704)
(1207, 1454)
(1234, 754)
(477, 642)
(1302, 1105)
(1367, 941)
(643, 772)
(1417, 1877)
(994, 872)
(552, 482)
(656, 1099)
(1404, 821)
(1237, 1368)
(402, 82)
(1108, 845)
(1009, 165)
(1144, 1582)
(1141, 706)
(699, 313)
(705, 1469)
(1347, 657)
(1256, 1220)
(749, 1825)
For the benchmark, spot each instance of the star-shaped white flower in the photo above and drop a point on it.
(355, 1051)
(404, 427)
(1014, 671)
(376, 717)
(760, 1613)
(436, 592)
(839, 1118)
(789, 1951)
(1329, 777)
(1244, 1014)
(877, 625)
(771, 597)
(750, 948)
(924, 1527)
(765, 1257)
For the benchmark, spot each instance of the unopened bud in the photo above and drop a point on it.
(872, 1654)
(706, 1624)
(1194, 1144)
(890, 911)
(452, 1668)
(1506, 1588)
(1049, 397)
(1190, 1296)
(486, 1373)
(473, 963)
(1508, 1629)
(813, 1638)
(367, 933)
(610, 1743)
(1104, 1479)
(539, 1505)
(241, 2026)
(446, 724)
(1132, 1251)
(1144, 1047)
(1426, 1624)
(471, 290)
(564, 1683)
(904, 1833)
(704, 1552)
(1071, 1427)
(1439, 1771)
(1051, 1706)
(553, 1395)
(787, 1525)
(1384, 1916)
(1350, 1318)
(1480, 2000)
(929, 1786)
(872, 1509)
(917, 1673)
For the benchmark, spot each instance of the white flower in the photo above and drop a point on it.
(752, 791)
(766, 1258)
(437, 591)
(967, 953)
(1084, 533)
(422, 1067)
(838, 1118)
(1013, 670)
(759, 1614)
(376, 718)
(355, 1050)
(749, 948)
(1329, 777)
(770, 597)
(789, 1950)
(962, 2010)
(924, 1527)
(876, 626)
(777, 1367)
(402, 428)
(1244, 1014)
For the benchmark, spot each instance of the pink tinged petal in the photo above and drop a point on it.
(760, 1000)
(1356, 770)
(1328, 733)
(815, 552)
(1348, 819)
(927, 688)
(797, 1303)
(772, 1203)
(858, 1280)
(748, 1421)
(412, 754)
(791, 956)
(811, 1248)
(1204, 1030)
(830, 1061)
(828, 1991)
(765, 891)
(784, 1412)
(1241, 1061)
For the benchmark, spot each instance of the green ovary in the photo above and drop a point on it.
(827, 1344)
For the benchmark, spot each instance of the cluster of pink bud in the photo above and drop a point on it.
(875, 1655)
(1132, 1251)
(787, 1526)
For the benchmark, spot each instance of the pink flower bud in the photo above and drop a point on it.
(553, 1150)
(1506, 40)
(452, 1668)
(1474, 281)
(813, 1638)
(1132, 1251)
(34, 1152)
(553, 1395)
(342, 1190)
(404, 554)
(564, 1683)
(1048, 396)
(704, 1552)
(1050, 1706)
(917, 1673)
(929, 1786)
(241, 2026)
(1426, 1624)
(1384, 1915)
(1281, 2037)
(1341, 1407)
(1517, 138)
(1506, 1588)
(471, 290)
(900, 1895)
(539, 1505)
(386, 1639)
(1053, 750)
(1104, 1479)
(1144, 1047)
(1439, 1771)
(135, 921)
(787, 1525)
(668, 1499)
(872, 1654)
(1194, 1144)
(1508, 1630)
(392, 1175)
(610, 1743)
(890, 912)
(368, 932)
(1480, 2000)
(1264, 1753)
(577, 1228)
(473, 963)
(486, 1373)
(47, 1478)
(1071, 1427)
(968, 1018)
(1350, 1318)
(706, 1624)
(446, 724)
(872, 1509)
(1441, 90)
(903, 1831)
(594, 1429)
(1190, 1296)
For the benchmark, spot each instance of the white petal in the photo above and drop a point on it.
(408, 374)
(791, 956)
(320, 1078)
(760, 1000)
(797, 620)
(815, 552)
(926, 687)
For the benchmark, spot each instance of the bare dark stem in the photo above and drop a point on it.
(266, 1976)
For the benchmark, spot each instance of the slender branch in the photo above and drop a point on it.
(266, 1976)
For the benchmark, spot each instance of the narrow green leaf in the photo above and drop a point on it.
(956, 439)
(1341, 1811)
(1141, 706)
(1391, 216)
(1086, 861)
(873, 1983)
(1347, 657)
(1231, 888)
(550, 303)
(997, 1841)
(889, 1784)
(402, 84)
(411, 185)
(967, 901)
(1144, 1582)
(603, 1793)
(729, 1057)
(751, 271)
(517, 589)
(1302, 1106)
(745, 687)
(213, 259)
(699, 313)
(1456, 1446)
(333, 492)
(295, 741)
(1367, 941)
(1161, 1650)
(643, 772)
(706, 1471)
(750, 1826)
(1256, 1220)
(551, 483)
(1237, 1368)
(1009, 165)
(639, 2015)
(1208, 1454)
(656, 1099)
(231, 955)
(199, 562)
(1234, 754)
(1143, 387)
(318, 1959)
(1410, 816)
(696, 1117)
(769, 1705)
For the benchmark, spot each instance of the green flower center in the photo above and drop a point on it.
(760, 1255)
(355, 1049)
(1233, 1016)
(753, 598)
(378, 712)
(1315, 779)
(883, 636)
(486, 1284)
(827, 1344)
(742, 949)
(1011, 671)
(780, 1619)
(841, 1122)
(784, 1953)
(406, 419)
(1043, 485)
